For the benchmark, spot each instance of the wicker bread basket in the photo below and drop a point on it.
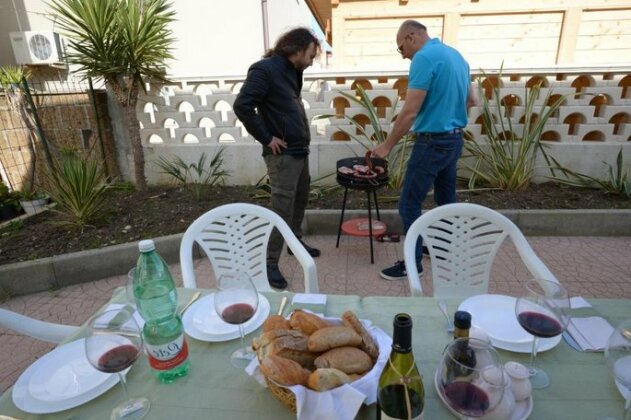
(283, 395)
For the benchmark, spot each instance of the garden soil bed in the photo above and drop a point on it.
(130, 216)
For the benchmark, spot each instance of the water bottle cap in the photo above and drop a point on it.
(146, 245)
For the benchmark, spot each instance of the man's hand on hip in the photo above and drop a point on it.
(277, 145)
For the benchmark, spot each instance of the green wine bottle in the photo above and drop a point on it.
(401, 394)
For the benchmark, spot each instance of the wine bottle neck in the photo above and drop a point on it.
(461, 332)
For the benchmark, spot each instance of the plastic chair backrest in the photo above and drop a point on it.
(42, 330)
(234, 237)
(463, 240)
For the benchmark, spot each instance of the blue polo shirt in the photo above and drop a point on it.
(441, 71)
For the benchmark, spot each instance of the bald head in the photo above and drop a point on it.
(412, 26)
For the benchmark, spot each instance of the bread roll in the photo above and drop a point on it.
(327, 378)
(289, 347)
(276, 322)
(331, 337)
(368, 343)
(306, 322)
(347, 359)
(284, 371)
(269, 336)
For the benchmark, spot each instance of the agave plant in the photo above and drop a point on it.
(398, 158)
(507, 160)
(122, 42)
(617, 181)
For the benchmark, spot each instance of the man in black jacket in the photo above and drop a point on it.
(270, 107)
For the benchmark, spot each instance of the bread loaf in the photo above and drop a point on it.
(327, 378)
(331, 337)
(368, 343)
(289, 347)
(276, 322)
(346, 359)
(306, 322)
(284, 371)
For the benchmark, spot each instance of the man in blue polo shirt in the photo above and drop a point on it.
(438, 98)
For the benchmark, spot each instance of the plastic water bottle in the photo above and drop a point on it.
(156, 299)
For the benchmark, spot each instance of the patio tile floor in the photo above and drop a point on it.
(587, 266)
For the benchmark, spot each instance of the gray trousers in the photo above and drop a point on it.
(290, 181)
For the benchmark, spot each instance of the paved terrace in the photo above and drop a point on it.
(588, 266)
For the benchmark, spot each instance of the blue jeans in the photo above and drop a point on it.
(432, 163)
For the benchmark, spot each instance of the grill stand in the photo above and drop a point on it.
(370, 235)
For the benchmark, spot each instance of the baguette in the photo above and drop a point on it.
(284, 371)
(327, 378)
(306, 322)
(288, 347)
(331, 337)
(347, 359)
(276, 322)
(368, 343)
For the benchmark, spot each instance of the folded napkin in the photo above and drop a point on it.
(591, 333)
(341, 403)
(313, 302)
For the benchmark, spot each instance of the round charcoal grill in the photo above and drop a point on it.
(369, 185)
(358, 183)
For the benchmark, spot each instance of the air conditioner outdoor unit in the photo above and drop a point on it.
(37, 47)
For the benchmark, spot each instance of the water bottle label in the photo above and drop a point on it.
(167, 356)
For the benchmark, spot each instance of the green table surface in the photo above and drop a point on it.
(581, 385)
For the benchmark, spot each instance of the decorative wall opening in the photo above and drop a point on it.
(594, 136)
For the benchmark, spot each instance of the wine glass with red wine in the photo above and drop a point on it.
(113, 343)
(543, 309)
(470, 386)
(236, 301)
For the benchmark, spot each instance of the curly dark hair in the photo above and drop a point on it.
(293, 41)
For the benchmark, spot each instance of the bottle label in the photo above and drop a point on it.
(167, 356)
(384, 416)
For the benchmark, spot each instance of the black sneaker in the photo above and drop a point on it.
(425, 250)
(314, 252)
(276, 278)
(398, 271)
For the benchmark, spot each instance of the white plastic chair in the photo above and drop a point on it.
(463, 239)
(42, 330)
(234, 237)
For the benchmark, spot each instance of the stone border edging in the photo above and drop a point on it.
(95, 264)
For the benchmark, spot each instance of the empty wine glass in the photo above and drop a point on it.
(236, 301)
(113, 343)
(129, 288)
(618, 358)
(543, 309)
(470, 386)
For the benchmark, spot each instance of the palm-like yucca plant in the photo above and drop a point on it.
(198, 173)
(122, 42)
(78, 187)
(398, 158)
(507, 160)
(617, 181)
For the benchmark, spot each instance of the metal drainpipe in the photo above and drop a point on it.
(265, 25)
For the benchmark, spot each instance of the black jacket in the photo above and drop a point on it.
(269, 104)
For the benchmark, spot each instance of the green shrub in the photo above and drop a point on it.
(78, 186)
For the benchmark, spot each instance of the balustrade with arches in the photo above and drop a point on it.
(191, 116)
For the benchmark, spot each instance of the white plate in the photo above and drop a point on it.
(60, 380)
(202, 322)
(495, 314)
(523, 408)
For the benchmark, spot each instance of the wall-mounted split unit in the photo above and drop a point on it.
(37, 47)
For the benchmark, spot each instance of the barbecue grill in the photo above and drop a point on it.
(362, 182)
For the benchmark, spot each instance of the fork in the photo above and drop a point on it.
(443, 308)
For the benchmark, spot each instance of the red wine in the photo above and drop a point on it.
(118, 359)
(467, 398)
(391, 400)
(237, 313)
(539, 324)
